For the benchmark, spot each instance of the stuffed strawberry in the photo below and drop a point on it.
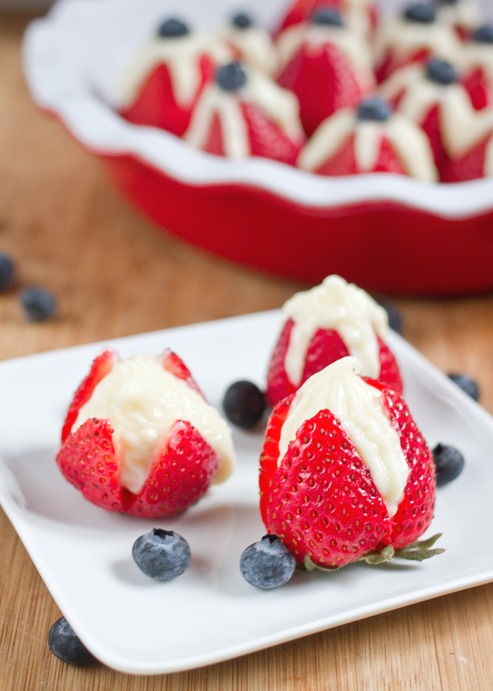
(322, 325)
(249, 42)
(462, 15)
(326, 65)
(139, 437)
(244, 113)
(359, 15)
(414, 36)
(477, 61)
(163, 82)
(345, 473)
(369, 139)
(431, 95)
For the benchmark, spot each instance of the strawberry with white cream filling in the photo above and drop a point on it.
(345, 474)
(162, 83)
(369, 139)
(244, 113)
(326, 65)
(140, 438)
(324, 324)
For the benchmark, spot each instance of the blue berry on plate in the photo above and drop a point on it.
(420, 13)
(231, 77)
(467, 384)
(244, 404)
(7, 271)
(161, 554)
(374, 108)
(441, 72)
(66, 645)
(38, 303)
(327, 16)
(449, 463)
(268, 563)
(483, 34)
(173, 28)
(394, 316)
(242, 20)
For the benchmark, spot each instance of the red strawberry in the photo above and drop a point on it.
(99, 369)
(324, 80)
(267, 127)
(156, 103)
(479, 87)
(326, 345)
(468, 166)
(301, 10)
(320, 497)
(180, 471)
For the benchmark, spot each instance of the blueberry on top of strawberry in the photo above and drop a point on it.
(483, 34)
(441, 72)
(327, 16)
(374, 108)
(242, 20)
(173, 28)
(420, 13)
(231, 77)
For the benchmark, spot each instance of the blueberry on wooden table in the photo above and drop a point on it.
(66, 645)
(7, 271)
(161, 554)
(38, 304)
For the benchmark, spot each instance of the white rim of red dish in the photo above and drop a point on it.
(58, 86)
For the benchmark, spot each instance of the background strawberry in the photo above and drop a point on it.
(324, 81)
(320, 498)
(325, 348)
(156, 104)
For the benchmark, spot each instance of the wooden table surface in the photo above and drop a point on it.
(114, 275)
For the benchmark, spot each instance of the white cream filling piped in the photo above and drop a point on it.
(142, 400)
(358, 406)
(335, 304)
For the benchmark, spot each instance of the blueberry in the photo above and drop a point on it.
(441, 72)
(449, 463)
(244, 404)
(327, 16)
(38, 303)
(231, 77)
(7, 271)
(467, 384)
(268, 563)
(242, 20)
(374, 108)
(161, 554)
(173, 28)
(420, 13)
(65, 644)
(483, 34)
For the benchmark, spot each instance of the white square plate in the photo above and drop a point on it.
(209, 614)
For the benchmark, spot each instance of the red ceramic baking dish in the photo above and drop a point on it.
(385, 232)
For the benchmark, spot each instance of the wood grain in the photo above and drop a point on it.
(114, 274)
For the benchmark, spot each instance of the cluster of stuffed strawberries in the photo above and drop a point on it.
(337, 88)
